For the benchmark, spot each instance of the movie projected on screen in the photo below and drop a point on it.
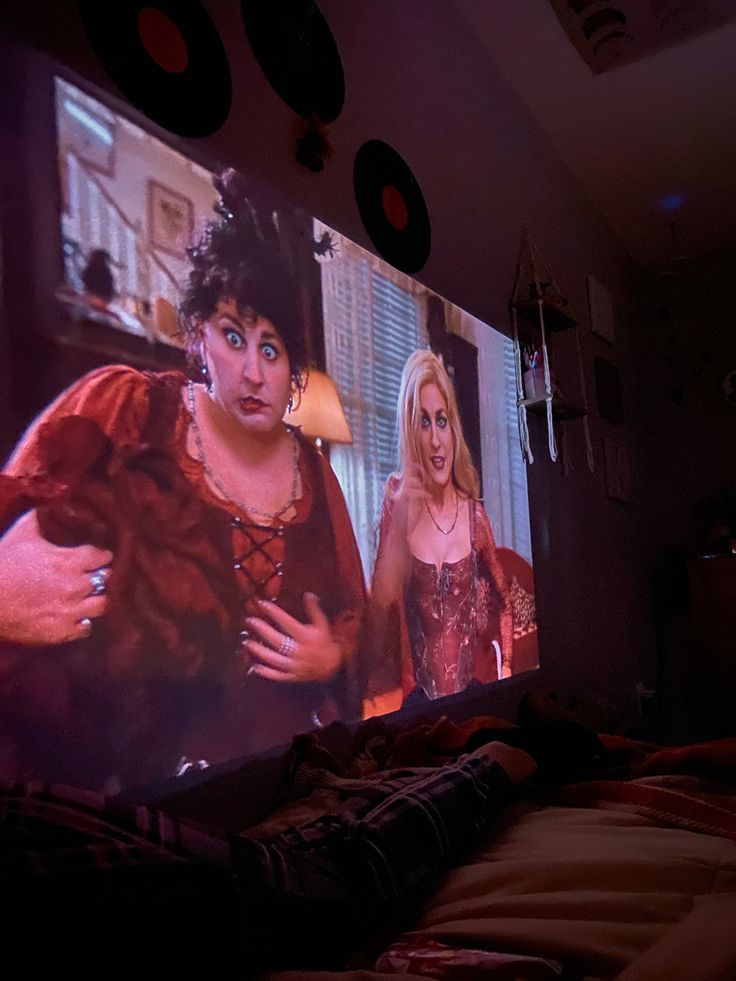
(271, 483)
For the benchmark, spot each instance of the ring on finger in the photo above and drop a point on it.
(287, 647)
(98, 581)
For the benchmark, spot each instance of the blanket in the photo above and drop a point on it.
(621, 876)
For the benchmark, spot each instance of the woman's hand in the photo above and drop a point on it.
(408, 502)
(394, 556)
(48, 594)
(290, 650)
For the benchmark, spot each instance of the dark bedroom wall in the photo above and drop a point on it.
(692, 317)
(417, 78)
(688, 347)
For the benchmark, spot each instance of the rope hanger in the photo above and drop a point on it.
(528, 267)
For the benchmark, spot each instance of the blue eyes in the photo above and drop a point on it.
(441, 422)
(236, 341)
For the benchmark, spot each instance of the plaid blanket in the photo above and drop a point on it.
(333, 883)
(48, 829)
(75, 861)
(89, 881)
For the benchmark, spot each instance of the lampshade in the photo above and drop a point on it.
(320, 413)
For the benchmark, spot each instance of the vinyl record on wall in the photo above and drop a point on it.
(294, 46)
(167, 59)
(392, 206)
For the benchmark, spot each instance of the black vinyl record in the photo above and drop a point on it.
(295, 48)
(167, 59)
(392, 206)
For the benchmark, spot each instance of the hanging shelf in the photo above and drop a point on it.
(561, 408)
(554, 318)
(543, 311)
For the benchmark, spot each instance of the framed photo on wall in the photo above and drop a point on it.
(170, 220)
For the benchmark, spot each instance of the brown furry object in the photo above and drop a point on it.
(168, 572)
(170, 628)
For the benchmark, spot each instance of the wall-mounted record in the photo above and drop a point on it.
(294, 46)
(167, 59)
(392, 206)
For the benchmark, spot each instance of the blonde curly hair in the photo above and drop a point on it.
(421, 368)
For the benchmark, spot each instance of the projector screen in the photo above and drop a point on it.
(195, 581)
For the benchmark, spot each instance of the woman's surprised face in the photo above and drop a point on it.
(435, 436)
(248, 367)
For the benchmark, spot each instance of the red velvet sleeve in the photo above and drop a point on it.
(387, 637)
(383, 591)
(487, 549)
(115, 397)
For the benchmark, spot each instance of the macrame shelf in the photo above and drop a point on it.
(538, 312)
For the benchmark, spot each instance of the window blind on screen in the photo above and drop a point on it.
(521, 540)
(372, 324)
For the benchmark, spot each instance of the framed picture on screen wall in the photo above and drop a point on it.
(170, 220)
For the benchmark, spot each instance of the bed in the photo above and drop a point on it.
(629, 873)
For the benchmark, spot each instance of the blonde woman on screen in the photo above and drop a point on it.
(440, 609)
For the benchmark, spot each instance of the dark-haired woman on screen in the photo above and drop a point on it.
(179, 580)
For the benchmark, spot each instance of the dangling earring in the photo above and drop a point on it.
(295, 395)
(206, 380)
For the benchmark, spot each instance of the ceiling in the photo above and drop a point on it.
(662, 127)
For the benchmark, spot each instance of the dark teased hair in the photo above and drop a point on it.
(241, 255)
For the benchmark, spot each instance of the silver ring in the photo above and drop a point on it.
(86, 624)
(288, 646)
(98, 581)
